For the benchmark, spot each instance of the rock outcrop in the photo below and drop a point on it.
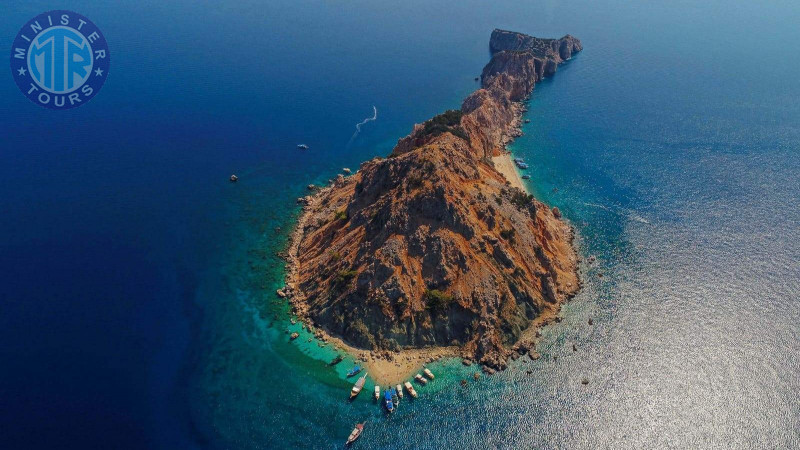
(431, 246)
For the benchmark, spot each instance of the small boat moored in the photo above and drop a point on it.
(353, 371)
(428, 373)
(399, 391)
(377, 392)
(410, 389)
(358, 386)
(526, 177)
(387, 397)
(355, 434)
(294, 336)
(420, 379)
(336, 360)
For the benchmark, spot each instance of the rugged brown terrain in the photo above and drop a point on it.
(431, 246)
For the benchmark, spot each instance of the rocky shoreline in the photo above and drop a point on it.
(432, 248)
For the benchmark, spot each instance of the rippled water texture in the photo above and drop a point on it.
(671, 143)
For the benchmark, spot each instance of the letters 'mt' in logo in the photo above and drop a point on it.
(57, 56)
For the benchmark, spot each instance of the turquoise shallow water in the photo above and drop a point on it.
(671, 143)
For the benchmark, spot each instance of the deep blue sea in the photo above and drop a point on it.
(137, 285)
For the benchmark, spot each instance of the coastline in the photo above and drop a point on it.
(390, 368)
(491, 129)
(505, 166)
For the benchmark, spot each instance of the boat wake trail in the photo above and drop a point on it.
(362, 123)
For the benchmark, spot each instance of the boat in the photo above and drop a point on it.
(353, 371)
(234, 178)
(358, 386)
(522, 165)
(399, 391)
(410, 389)
(355, 434)
(294, 336)
(336, 360)
(395, 399)
(387, 397)
(302, 146)
(428, 373)
(377, 392)
(420, 379)
(518, 160)
(526, 177)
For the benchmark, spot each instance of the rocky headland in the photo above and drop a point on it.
(433, 247)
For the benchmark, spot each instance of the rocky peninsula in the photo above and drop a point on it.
(437, 249)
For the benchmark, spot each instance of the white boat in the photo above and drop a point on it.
(410, 389)
(355, 434)
(302, 146)
(358, 386)
(399, 391)
(420, 379)
(377, 392)
(428, 373)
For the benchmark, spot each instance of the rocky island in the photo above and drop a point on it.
(437, 249)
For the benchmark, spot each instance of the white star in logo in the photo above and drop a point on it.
(98, 72)
(21, 71)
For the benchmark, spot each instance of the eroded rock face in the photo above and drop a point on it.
(558, 50)
(431, 246)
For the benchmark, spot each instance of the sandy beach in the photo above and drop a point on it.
(505, 165)
(391, 368)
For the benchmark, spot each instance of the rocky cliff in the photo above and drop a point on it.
(431, 246)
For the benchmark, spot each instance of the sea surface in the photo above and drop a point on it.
(138, 285)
